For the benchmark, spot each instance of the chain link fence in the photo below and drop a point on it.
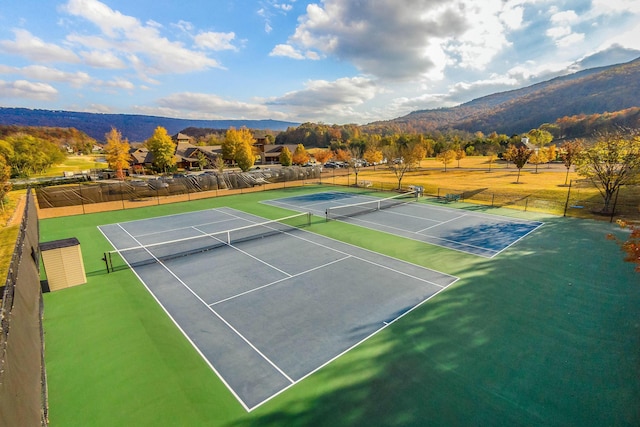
(23, 386)
(582, 200)
(89, 197)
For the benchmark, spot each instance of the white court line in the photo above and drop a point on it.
(279, 281)
(290, 206)
(477, 214)
(346, 255)
(247, 254)
(184, 333)
(249, 343)
(184, 228)
(365, 260)
(443, 222)
(379, 226)
(520, 238)
(385, 325)
(371, 262)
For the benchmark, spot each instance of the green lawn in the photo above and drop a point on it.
(547, 333)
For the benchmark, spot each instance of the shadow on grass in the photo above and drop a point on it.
(539, 335)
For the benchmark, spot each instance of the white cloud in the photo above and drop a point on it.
(117, 83)
(31, 47)
(102, 59)
(125, 36)
(562, 32)
(284, 7)
(27, 89)
(40, 72)
(203, 105)
(408, 39)
(289, 51)
(322, 93)
(215, 41)
(611, 7)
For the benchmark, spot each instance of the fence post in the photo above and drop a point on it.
(81, 198)
(526, 203)
(121, 195)
(566, 204)
(493, 196)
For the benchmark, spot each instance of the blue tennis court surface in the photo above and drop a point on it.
(471, 232)
(268, 312)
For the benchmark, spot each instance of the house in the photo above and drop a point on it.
(270, 153)
(188, 156)
(140, 159)
(182, 138)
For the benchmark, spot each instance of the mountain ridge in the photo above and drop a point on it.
(134, 127)
(596, 90)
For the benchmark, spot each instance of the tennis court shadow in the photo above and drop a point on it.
(497, 348)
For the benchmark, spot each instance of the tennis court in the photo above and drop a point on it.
(271, 306)
(462, 230)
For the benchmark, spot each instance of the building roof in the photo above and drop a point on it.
(141, 155)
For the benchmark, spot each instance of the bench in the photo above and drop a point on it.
(365, 183)
(451, 198)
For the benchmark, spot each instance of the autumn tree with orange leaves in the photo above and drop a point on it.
(631, 246)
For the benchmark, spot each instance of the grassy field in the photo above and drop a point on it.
(547, 333)
(77, 164)
(543, 191)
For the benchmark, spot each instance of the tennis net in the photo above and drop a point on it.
(354, 209)
(163, 251)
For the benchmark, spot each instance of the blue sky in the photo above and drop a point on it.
(331, 61)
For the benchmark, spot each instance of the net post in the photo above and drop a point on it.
(106, 257)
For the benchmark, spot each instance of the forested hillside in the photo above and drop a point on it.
(594, 91)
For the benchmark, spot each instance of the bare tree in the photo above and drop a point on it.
(611, 162)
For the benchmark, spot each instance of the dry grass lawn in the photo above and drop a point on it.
(498, 184)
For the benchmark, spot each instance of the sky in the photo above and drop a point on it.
(328, 61)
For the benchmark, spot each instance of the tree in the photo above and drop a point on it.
(342, 155)
(285, 157)
(540, 138)
(520, 158)
(233, 140)
(446, 157)
(510, 153)
(611, 162)
(569, 154)
(117, 152)
(245, 158)
(26, 154)
(630, 246)
(538, 157)
(300, 156)
(323, 156)
(373, 156)
(491, 154)
(203, 161)
(551, 153)
(460, 154)
(404, 156)
(162, 148)
(5, 175)
(219, 164)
